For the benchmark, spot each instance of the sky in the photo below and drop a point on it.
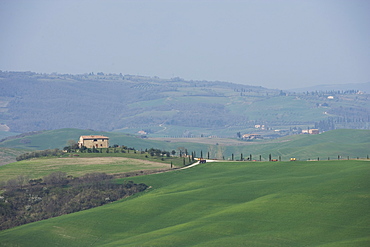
(271, 43)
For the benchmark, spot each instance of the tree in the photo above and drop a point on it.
(239, 135)
(73, 144)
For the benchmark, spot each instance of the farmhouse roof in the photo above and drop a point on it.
(94, 137)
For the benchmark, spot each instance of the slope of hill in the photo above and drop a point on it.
(224, 204)
(168, 107)
(8, 155)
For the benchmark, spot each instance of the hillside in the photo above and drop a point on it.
(224, 204)
(169, 107)
(8, 155)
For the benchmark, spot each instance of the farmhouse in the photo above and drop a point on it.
(93, 141)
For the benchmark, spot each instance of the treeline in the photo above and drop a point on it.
(331, 92)
(331, 123)
(24, 201)
(74, 150)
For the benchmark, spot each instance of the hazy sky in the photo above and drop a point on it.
(276, 44)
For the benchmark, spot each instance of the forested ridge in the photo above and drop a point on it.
(33, 102)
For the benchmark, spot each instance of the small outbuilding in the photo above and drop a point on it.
(93, 141)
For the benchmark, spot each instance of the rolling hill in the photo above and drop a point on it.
(224, 204)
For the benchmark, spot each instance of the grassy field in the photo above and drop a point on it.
(37, 168)
(77, 164)
(299, 203)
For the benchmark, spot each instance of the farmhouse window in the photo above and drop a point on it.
(95, 140)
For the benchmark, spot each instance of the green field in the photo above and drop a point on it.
(299, 203)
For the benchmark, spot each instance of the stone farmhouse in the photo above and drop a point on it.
(93, 141)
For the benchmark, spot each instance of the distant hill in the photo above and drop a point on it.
(363, 87)
(170, 107)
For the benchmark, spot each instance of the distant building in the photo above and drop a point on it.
(311, 131)
(259, 126)
(93, 141)
(251, 136)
